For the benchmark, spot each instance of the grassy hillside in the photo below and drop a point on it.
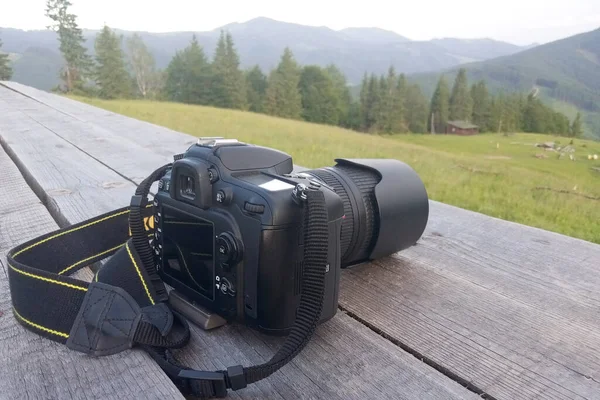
(566, 71)
(492, 174)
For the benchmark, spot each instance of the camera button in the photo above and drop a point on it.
(227, 287)
(213, 176)
(224, 196)
(226, 249)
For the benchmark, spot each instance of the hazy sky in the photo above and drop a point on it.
(516, 21)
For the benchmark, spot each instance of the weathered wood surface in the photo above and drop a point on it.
(513, 310)
(345, 360)
(508, 309)
(158, 139)
(37, 368)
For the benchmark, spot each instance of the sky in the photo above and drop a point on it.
(515, 21)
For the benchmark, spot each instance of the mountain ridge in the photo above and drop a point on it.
(262, 40)
(565, 72)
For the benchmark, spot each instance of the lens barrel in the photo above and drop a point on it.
(385, 205)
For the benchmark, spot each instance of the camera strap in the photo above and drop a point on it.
(125, 305)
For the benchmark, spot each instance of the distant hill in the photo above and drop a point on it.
(566, 74)
(373, 35)
(262, 40)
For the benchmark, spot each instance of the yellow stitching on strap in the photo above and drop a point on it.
(43, 328)
(89, 258)
(69, 231)
(139, 273)
(42, 278)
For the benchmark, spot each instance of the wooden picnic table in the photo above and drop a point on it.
(480, 307)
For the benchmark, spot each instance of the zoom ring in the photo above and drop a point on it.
(365, 181)
(347, 228)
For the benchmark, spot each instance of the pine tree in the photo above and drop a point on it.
(561, 124)
(256, 85)
(576, 129)
(236, 84)
(535, 116)
(392, 103)
(219, 68)
(342, 92)
(416, 109)
(382, 115)
(387, 87)
(481, 105)
(496, 121)
(228, 86)
(400, 124)
(513, 113)
(440, 106)
(372, 105)
(319, 97)
(188, 77)
(110, 74)
(461, 104)
(283, 97)
(363, 101)
(5, 68)
(354, 120)
(78, 63)
(147, 78)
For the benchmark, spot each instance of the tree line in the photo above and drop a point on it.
(5, 69)
(386, 104)
(512, 112)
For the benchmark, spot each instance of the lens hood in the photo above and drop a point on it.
(402, 202)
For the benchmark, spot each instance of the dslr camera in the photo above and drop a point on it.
(229, 228)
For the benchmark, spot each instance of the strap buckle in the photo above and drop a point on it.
(217, 380)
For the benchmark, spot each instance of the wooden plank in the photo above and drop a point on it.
(510, 309)
(67, 179)
(513, 310)
(345, 359)
(91, 138)
(158, 139)
(34, 367)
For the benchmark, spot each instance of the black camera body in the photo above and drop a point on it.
(229, 231)
(229, 234)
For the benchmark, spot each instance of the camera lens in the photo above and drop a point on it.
(355, 187)
(385, 205)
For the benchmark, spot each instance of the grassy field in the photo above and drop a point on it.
(490, 173)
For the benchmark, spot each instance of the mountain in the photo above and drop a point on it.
(476, 49)
(38, 66)
(373, 35)
(564, 73)
(262, 40)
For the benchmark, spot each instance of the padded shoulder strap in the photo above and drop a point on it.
(125, 304)
(45, 298)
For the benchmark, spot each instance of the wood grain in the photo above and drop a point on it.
(513, 310)
(69, 181)
(34, 367)
(346, 360)
(157, 139)
(92, 139)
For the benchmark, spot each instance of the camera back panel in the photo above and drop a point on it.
(230, 236)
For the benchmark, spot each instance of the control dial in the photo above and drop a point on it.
(228, 252)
